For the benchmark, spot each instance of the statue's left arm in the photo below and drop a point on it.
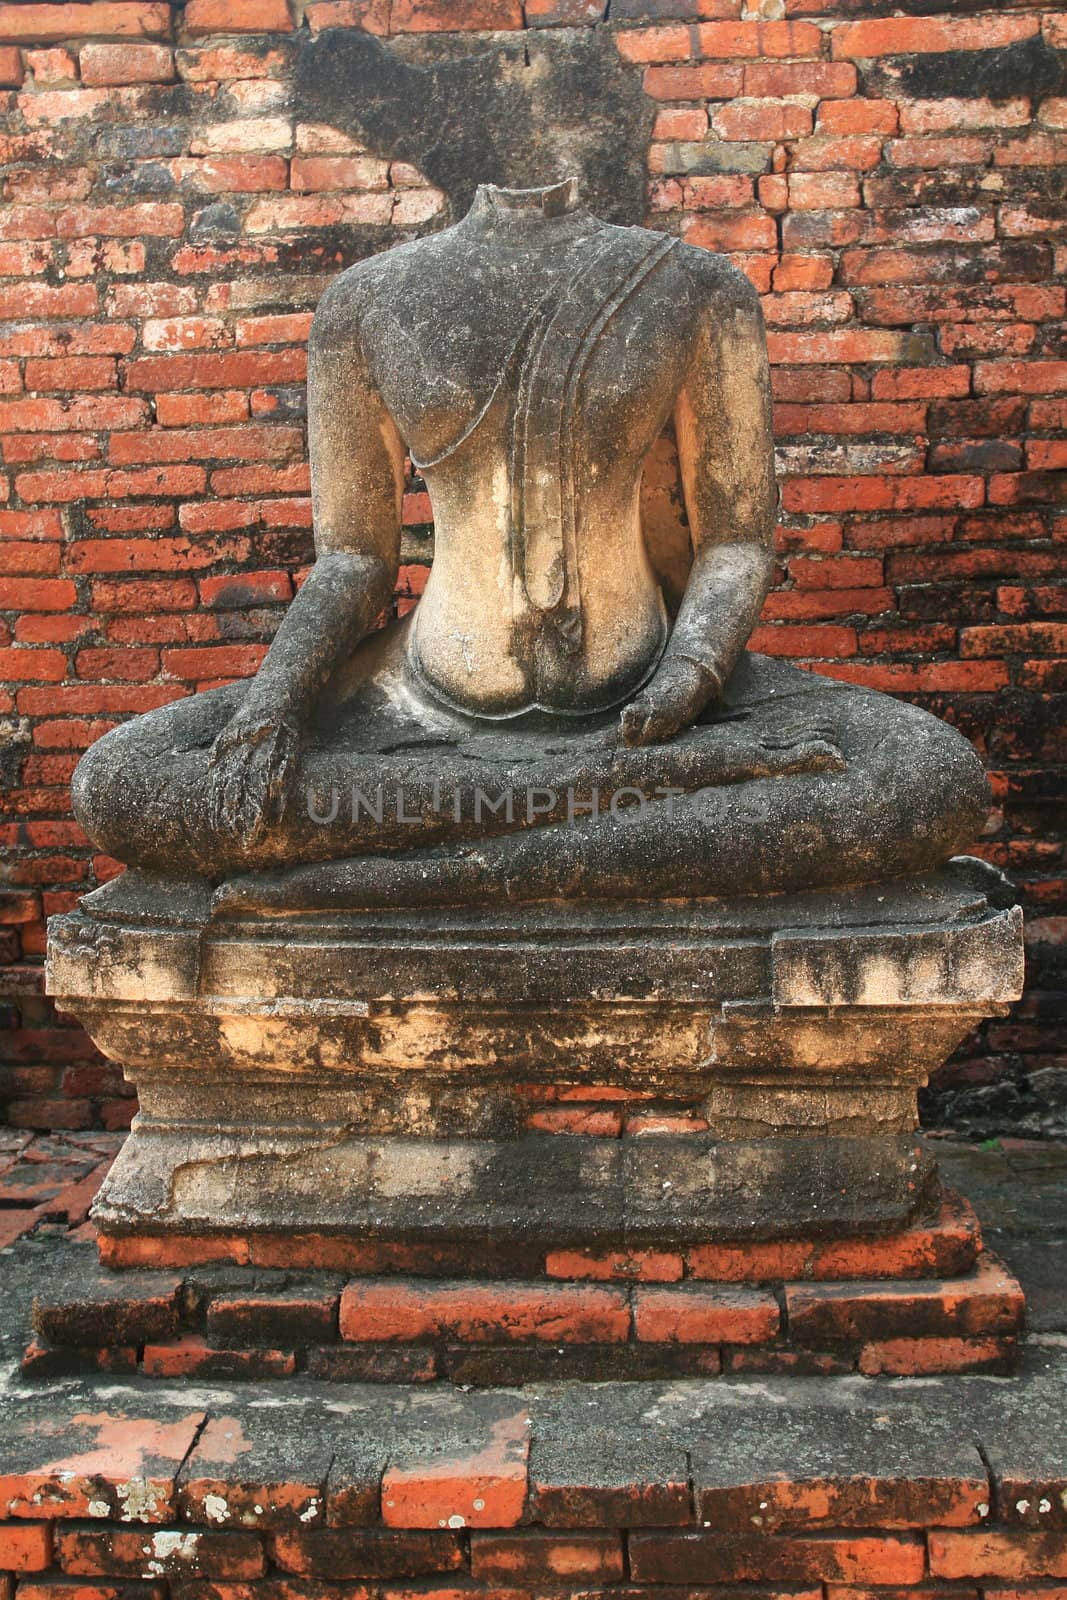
(726, 451)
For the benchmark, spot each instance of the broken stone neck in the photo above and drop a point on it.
(501, 214)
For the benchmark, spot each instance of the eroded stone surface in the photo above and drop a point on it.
(101, 1460)
(541, 719)
(245, 1473)
(784, 1482)
(88, 1305)
(851, 1472)
(436, 1058)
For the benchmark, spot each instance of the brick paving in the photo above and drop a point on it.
(797, 1488)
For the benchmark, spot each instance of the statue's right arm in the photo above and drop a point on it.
(357, 477)
(357, 480)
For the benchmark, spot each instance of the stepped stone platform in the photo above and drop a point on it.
(928, 1298)
(611, 1140)
(744, 1487)
(570, 1491)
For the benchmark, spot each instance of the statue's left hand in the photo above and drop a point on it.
(677, 694)
(252, 767)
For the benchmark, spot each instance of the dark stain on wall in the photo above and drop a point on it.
(516, 110)
(1031, 67)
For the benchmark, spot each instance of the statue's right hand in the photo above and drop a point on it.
(252, 767)
(676, 695)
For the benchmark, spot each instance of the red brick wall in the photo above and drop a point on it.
(893, 185)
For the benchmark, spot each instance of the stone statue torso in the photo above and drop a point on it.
(528, 358)
(530, 362)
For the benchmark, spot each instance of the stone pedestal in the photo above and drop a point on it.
(593, 1075)
(550, 1092)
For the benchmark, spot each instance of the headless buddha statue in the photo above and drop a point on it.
(540, 725)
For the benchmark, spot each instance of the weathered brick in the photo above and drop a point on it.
(817, 190)
(292, 1316)
(474, 1476)
(52, 66)
(934, 152)
(751, 40)
(43, 300)
(687, 1557)
(236, 16)
(680, 122)
(732, 230)
(25, 1548)
(241, 136)
(860, 417)
(702, 80)
(754, 118)
(534, 1556)
(373, 1363)
(241, 1473)
(216, 371)
(989, 1302)
(816, 80)
(180, 410)
(670, 43)
(722, 191)
(207, 662)
(640, 1266)
(938, 116)
(125, 63)
(237, 443)
(1020, 377)
(59, 1589)
(933, 265)
(917, 1357)
(180, 1553)
(993, 1554)
(804, 1475)
(70, 1467)
(237, 591)
(36, 594)
(851, 153)
(904, 35)
(11, 73)
(426, 16)
(193, 1357)
(339, 1553)
(858, 116)
(416, 1311)
(920, 383)
(74, 372)
(607, 1476)
(155, 218)
(38, 24)
(100, 1308)
(22, 665)
(705, 1315)
(338, 172)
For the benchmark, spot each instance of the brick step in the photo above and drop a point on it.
(233, 1322)
(945, 1244)
(612, 1492)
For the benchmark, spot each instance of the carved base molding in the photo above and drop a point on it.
(584, 1076)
